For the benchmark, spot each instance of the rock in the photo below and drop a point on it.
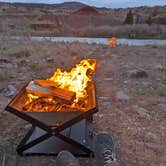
(27, 126)
(120, 95)
(137, 73)
(108, 79)
(155, 147)
(159, 67)
(106, 103)
(142, 112)
(13, 76)
(24, 62)
(11, 90)
(125, 82)
(100, 115)
(22, 78)
(105, 98)
(49, 60)
(6, 65)
(148, 84)
(162, 106)
(4, 61)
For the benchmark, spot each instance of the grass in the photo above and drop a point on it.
(18, 49)
(161, 90)
(22, 53)
(141, 88)
(5, 74)
(33, 66)
(163, 63)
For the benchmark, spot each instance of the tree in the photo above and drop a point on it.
(149, 20)
(129, 18)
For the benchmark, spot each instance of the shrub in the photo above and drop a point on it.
(5, 74)
(129, 18)
(161, 90)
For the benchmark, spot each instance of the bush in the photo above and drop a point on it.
(129, 18)
(5, 74)
(161, 90)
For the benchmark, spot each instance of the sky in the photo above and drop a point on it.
(101, 3)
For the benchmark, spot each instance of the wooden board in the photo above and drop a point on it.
(62, 94)
(46, 83)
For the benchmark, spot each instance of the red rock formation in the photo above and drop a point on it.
(86, 11)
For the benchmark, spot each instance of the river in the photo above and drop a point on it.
(119, 41)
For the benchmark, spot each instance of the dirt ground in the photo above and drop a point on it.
(132, 106)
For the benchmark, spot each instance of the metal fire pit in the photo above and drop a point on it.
(53, 132)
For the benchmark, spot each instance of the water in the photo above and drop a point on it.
(119, 41)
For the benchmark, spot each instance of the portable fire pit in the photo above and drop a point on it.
(61, 114)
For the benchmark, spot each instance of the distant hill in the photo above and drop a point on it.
(70, 5)
(61, 6)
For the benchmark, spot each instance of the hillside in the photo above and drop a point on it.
(38, 6)
(78, 19)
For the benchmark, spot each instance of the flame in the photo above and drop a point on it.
(112, 41)
(30, 98)
(77, 79)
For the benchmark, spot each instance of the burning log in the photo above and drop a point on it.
(42, 104)
(46, 83)
(63, 95)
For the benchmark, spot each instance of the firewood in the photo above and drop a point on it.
(46, 83)
(41, 103)
(64, 95)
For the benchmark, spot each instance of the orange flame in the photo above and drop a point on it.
(77, 79)
(112, 41)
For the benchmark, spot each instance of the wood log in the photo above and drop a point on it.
(46, 83)
(65, 96)
(39, 105)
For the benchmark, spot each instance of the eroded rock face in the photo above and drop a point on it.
(137, 73)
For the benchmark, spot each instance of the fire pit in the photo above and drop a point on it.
(60, 110)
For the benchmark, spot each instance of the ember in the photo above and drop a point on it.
(62, 90)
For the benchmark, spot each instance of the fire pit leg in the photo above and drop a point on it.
(75, 139)
(23, 146)
(25, 139)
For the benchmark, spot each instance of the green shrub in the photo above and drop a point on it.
(161, 90)
(141, 88)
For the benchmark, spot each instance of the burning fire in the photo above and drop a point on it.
(112, 41)
(75, 80)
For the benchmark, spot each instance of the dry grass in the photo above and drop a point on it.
(5, 74)
(132, 31)
(33, 66)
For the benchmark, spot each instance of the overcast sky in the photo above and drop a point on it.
(101, 3)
